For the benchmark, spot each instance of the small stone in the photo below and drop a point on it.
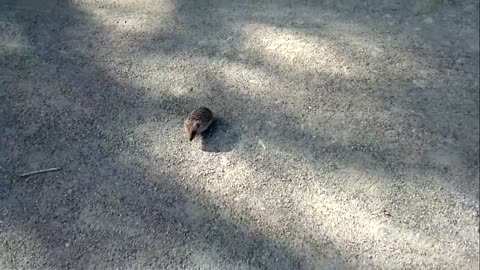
(428, 20)
(419, 83)
(260, 142)
(469, 7)
(391, 135)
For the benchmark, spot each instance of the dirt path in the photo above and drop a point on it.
(347, 137)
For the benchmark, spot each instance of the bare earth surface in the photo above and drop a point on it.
(347, 134)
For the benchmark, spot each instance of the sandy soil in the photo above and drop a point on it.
(347, 134)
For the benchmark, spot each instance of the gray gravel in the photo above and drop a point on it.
(347, 134)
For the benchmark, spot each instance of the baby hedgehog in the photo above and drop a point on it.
(198, 121)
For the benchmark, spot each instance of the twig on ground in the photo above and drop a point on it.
(39, 171)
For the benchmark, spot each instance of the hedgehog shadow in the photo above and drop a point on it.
(219, 137)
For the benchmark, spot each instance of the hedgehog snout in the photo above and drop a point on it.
(192, 134)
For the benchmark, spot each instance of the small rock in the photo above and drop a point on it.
(391, 135)
(469, 7)
(419, 83)
(428, 20)
(260, 142)
(460, 61)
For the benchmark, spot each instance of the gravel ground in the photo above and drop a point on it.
(347, 134)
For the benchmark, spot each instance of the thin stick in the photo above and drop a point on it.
(39, 171)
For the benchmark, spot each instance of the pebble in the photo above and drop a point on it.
(391, 135)
(428, 20)
(260, 142)
(419, 83)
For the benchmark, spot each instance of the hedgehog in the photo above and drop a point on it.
(198, 121)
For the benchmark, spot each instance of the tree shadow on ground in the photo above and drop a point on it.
(106, 205)
(103, 209)
(220, 137)
(437, 121)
